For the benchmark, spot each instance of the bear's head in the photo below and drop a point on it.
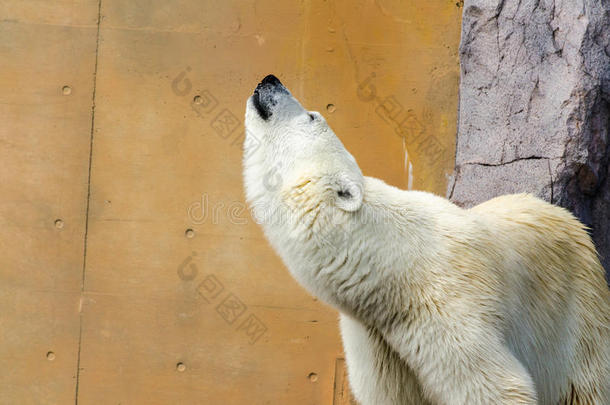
(293, 158)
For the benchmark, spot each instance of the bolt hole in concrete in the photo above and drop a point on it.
(313, 377)
(66, 90)
(180, 367)
(189, 233)
(59, 223)
(50, 356)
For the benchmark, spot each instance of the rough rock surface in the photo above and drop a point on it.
(535, 106)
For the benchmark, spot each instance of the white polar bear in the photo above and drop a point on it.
(505, 303)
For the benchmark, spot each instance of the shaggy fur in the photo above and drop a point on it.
(505, 303)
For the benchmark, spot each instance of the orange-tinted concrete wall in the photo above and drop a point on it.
(131, 271)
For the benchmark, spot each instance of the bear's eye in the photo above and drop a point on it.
(311, 117)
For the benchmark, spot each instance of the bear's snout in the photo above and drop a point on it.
(270, 79)
(266, 94)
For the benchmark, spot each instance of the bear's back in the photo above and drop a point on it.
(549, 243)
(524, 218)
(551, 264)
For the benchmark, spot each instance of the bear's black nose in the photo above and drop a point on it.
(272, 80)
(267, 94)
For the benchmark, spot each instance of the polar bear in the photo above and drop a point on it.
(504, 303)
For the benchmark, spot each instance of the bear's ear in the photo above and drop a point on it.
(348, 193)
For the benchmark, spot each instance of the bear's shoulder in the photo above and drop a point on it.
(520, 206)
(526, 211)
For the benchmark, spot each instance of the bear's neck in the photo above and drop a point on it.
(363, 262)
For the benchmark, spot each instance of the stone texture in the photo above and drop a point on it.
(492, 180)
(535, 106)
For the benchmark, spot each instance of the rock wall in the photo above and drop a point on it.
(535, 106)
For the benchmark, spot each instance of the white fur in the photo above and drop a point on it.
(505, 303)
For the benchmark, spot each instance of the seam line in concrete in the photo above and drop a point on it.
(80, 329)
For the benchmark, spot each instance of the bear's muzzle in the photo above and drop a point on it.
(266, 94)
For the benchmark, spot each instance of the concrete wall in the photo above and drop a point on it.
(131, 272)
